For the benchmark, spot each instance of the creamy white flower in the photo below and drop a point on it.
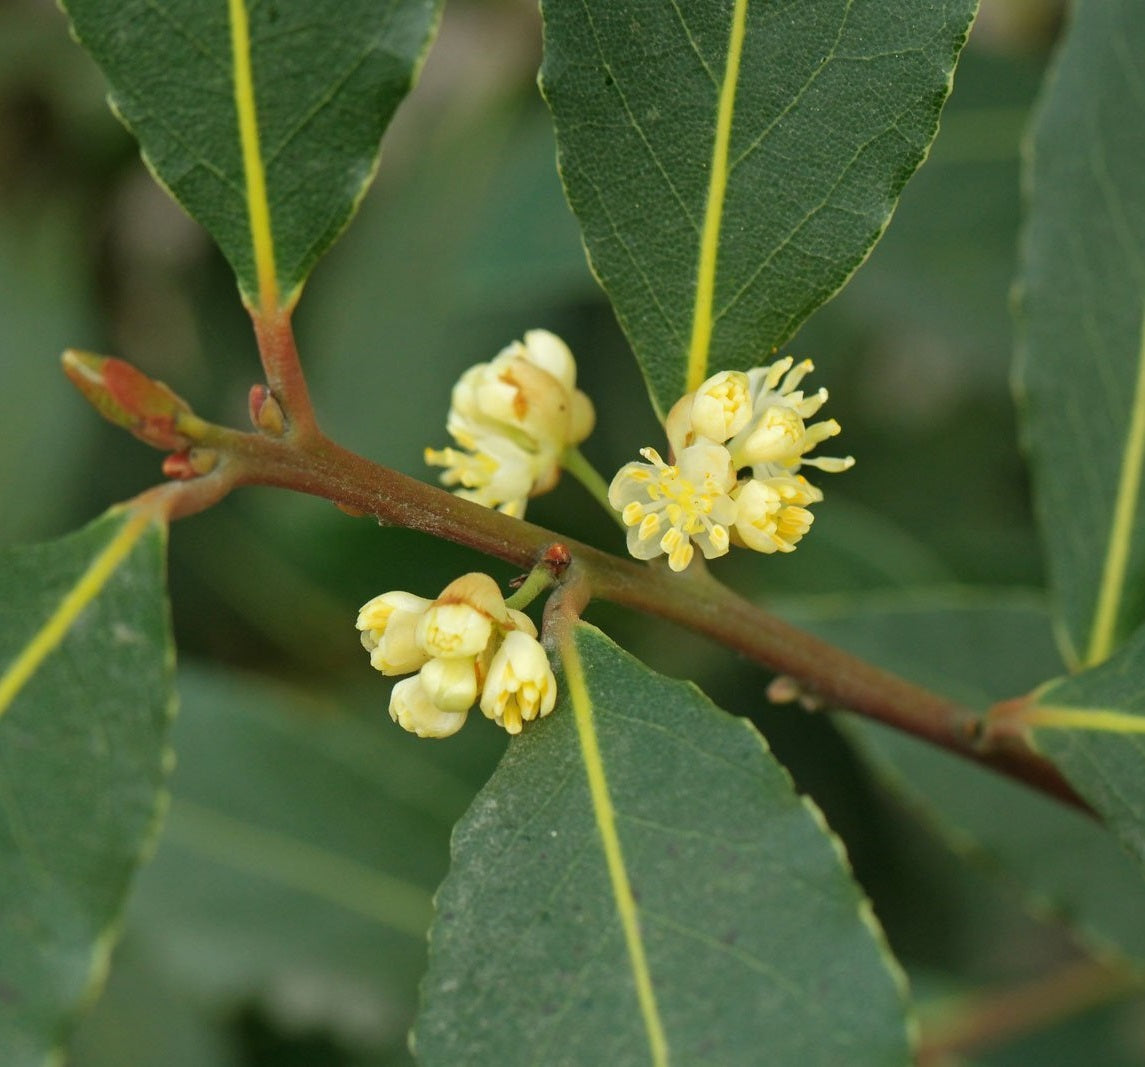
(493, 471)
(454, 631)
(514, 417)
(776, 440)
(721, 406)
(413, 710)
(389, 624)
(772, 513)
(456, 640)
(451, 683)
(520, 685)
(667, 508)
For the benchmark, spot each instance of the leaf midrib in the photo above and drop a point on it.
(605, 816)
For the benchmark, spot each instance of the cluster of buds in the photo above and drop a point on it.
(467, 646)
(512, 419)
(738, 443)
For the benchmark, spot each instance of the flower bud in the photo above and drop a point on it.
(520, 685)
(721, 406)
(778, 436)
(514, 417)
(130, 399)
(412, 709)
(460, 621)
(454, 631)
(451, 684)
(547, 351)
(389, 628)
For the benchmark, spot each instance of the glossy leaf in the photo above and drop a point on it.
(732, 162)
(300, 854)
(640, 882)
(980, 648)
(1093, 727)
(1081, 313)
(86, 699)
(311, 86)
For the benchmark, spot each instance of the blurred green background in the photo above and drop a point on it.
(282, 919)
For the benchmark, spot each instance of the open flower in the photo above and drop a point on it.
(513, 417)
(490, 470)
(776, 439)
(668, 507)
(738, 442)
(772, 513)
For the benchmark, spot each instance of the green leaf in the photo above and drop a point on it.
(144, 1021)
(982, 647)
(1093, 727)
(312, 88)
(1081, 373)
(731, 163)
(640, 882)
(85, 704)
(41, 311)
(299, 858)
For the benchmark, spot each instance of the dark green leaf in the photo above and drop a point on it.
(299, 857)
(639, 881)
(715, 241)
(1082, 303)
(327, 77)
(41, 312)
(981, 648)
(86, 699)
(1093, 727)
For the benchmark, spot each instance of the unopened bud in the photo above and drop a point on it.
(190, 463)
(128, 398)
(265, 411)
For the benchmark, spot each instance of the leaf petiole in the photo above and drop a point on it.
(573, 461)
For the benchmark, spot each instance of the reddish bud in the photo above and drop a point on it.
(557, 558)
(192, 463)
(178, 466)
(265, 411)
(128, 398)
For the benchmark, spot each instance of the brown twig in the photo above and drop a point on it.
(987, 1020)
(698, 602)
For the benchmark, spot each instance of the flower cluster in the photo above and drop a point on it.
(738, 443)
(466, 646)
(512, 418)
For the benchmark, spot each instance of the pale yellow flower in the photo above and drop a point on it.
(667, 508)
(451, 684)
(413, 710)
(776, 439)
(513, 418)
(772, 513)
(738, 442)
(520, 685)
(457, 640)
(389, 624)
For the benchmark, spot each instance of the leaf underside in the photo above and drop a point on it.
(750, 932)
(83, 758)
